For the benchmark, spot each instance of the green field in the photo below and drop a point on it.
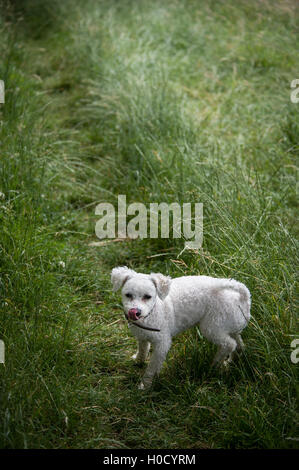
(163, 101)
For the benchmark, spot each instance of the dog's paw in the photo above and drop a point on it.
(145, 385)
(225, 365)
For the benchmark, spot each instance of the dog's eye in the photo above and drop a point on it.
(147, 297)
(130, 296)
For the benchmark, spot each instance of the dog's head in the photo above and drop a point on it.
(139, 291)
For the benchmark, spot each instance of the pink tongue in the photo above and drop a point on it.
(132, 315)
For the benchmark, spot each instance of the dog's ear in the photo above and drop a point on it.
(120, 275)
(162, 284)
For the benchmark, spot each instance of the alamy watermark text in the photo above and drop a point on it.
(2, 92)
(186, 221)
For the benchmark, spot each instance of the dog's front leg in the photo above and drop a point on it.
(158, 357)
(142, 351)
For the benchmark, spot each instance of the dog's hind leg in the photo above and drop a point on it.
(226, 347)
(142, 352)
(240, 344)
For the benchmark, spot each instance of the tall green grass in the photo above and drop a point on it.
(163, 101)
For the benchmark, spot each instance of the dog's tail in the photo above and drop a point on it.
(245, 297)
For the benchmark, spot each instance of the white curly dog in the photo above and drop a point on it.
(158, 308)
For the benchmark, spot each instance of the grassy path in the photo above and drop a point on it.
(162, 101)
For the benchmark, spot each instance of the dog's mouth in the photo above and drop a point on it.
(134, 314)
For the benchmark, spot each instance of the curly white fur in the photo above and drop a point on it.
(220, 307)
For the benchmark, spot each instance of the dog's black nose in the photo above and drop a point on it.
(134, 313)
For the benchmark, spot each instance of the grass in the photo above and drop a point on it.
(162, 101)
